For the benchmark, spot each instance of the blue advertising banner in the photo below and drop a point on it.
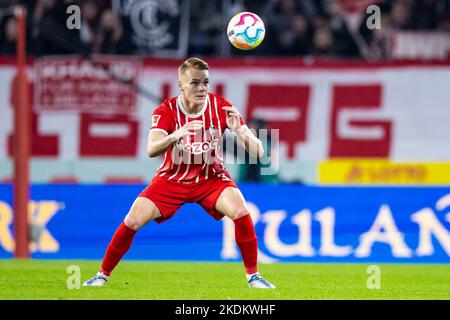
(294, 223)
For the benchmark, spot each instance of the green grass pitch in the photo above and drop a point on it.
(44, 279)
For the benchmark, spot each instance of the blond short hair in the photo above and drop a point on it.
(195, 63)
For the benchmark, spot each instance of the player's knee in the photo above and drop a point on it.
(133, 222)
(238, 213)
(142, 211)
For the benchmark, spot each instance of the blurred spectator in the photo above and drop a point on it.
(379, 46)
(257, 7)
(302, 35)
(89, 21)
(326, 28)
(320, 21)
(443, 23)
(401, 16)
(8, 46)
(425, 16)
(206, 27)
(110, 37)
(323, 43)
(345, 43)
(296, 40)
(280, 14)
(49, 32)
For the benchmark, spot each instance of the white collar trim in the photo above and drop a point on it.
(190, 115)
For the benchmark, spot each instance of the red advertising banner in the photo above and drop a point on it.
(103, 86)
(321, 111)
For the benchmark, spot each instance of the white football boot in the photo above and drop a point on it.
(99, 280)
(258, 282)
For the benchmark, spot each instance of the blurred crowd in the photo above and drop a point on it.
(327, 28)
(47, 33)
(318, 28)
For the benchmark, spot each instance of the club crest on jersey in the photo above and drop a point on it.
(155, 120)
(198, 147)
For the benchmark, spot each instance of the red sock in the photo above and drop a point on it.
(247, 242)
(119, 245)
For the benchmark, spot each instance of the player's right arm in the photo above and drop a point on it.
(159, 141)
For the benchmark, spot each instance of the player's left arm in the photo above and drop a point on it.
(245, 137)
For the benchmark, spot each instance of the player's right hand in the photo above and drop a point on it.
(189, 129)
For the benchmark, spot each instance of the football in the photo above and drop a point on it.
(246, 30)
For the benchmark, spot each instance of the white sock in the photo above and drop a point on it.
(249, 276)
(104, 275)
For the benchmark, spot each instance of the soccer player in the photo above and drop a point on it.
(187, 129)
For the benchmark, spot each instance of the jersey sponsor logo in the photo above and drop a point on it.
(155, 120)
(198, 147)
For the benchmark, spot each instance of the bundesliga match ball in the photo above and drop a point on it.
(246, 31)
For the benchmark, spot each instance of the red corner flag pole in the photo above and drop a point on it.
(22, 138)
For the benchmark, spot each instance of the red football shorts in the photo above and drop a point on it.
(169, 196)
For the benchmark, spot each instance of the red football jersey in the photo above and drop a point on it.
(193, 158)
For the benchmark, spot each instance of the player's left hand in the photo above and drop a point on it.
(233, 118)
